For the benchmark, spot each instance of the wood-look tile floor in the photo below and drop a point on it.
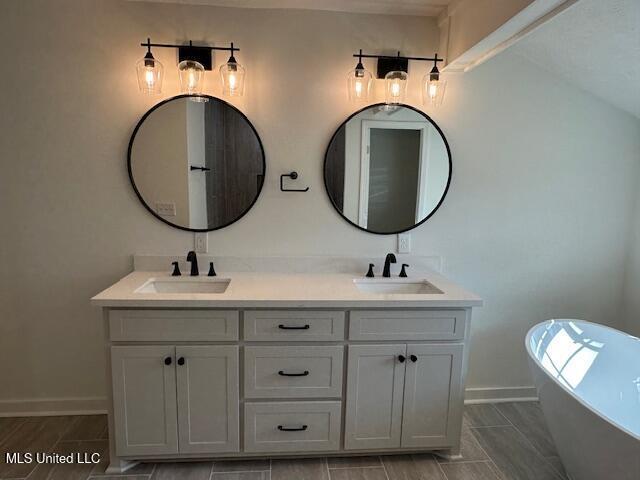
(507, 441)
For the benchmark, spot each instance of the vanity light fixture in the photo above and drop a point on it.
(394, 70)
(232, 74)
(150, 72)
(433, 86)
(193, 60)
(359, 82)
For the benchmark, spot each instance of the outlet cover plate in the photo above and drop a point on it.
(404, 243)
(201, 242)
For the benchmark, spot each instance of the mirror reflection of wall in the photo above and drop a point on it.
(387, 168)
(196, 165)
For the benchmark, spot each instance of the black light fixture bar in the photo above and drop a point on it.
(191, 45)
(389, 57)
(390, 63)
(199, 53)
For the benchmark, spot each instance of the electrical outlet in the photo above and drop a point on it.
(166, 209)
(201, 242)
(404, 243)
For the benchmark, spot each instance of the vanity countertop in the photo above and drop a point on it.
(285, 290)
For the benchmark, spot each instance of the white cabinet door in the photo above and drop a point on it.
(375, 382)
(432, 395)
(144, 400)
(208, 398)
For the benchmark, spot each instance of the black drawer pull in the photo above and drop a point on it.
(401, 358)
(292, 429)
(301, 374)
(167, 361)
(413, 358)
(181, 361)
(287, 327)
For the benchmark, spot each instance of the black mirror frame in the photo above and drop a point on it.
(135, 188)
(444, 194)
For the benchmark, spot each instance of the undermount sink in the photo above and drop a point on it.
(185, 285)
(396, 286)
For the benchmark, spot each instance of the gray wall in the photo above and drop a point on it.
(536, 219)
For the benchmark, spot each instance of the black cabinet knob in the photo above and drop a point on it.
(401, 358)
(167, 361)
(413, 358)
(181, 361)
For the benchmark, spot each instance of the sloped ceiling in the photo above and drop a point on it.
(595, 44)
(395, 7)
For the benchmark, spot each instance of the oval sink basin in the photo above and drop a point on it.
(185, 285)
(396, 286)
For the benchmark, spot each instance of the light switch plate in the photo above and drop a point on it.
(201, 242)
(404, 243)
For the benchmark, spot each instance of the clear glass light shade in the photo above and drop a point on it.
(433, 90)
(191, 77)
(359, 84)
(150, 73)
(232, 75)
(395, 87)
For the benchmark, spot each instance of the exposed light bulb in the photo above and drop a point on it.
(433, 86)
(395, 87)
(232, 75)
(359, 82)
(150, 73)
(191, 77)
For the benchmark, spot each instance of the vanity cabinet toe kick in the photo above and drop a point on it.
(214, 383)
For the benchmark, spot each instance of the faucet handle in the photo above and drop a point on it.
(176, 269)
(212, 271)
(370, 272)
(403, 271)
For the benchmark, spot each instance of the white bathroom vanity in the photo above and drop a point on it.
(252, 364)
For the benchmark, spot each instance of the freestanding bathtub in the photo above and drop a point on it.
(588, 381)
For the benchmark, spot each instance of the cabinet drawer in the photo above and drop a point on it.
(301, 326)
(173, 325)
(407, 325)
(292, 426)
(296, 371)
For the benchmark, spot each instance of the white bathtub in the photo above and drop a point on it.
(588, 381)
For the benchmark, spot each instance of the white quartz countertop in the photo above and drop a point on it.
(290, 290)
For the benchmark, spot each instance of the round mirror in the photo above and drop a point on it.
(387, 168)
(196, 162)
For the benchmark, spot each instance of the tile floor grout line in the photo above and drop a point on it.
(444, 474)
(360, 466)
(509, 422)
(553, 468)
(386, 474)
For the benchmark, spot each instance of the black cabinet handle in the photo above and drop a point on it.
(181, 361)
(301, 374)
(413, 358)
(401, 358)
(292, 429)
(287, 327)
(167, 361)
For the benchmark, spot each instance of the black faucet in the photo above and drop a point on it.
(391, 258)
(191, 257)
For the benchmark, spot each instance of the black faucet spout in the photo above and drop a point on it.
(391, 258)
(193, 259)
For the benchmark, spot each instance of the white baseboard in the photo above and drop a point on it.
(500, 394)
(32, 407)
